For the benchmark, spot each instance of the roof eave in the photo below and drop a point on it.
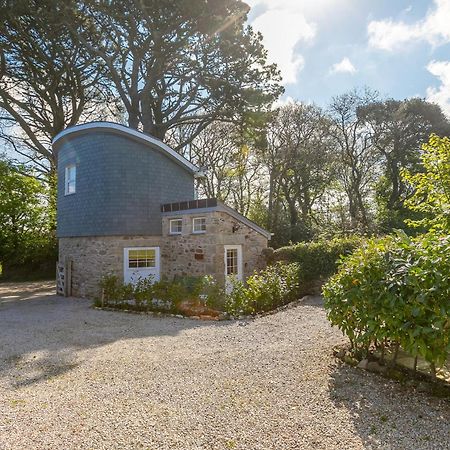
(122, 129)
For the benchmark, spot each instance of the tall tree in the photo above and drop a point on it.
(299, 156)
(356, 154)
(215, 150)
(234, 171)
(398, 130)
(178, 62)
(47, 81)
(26, 234)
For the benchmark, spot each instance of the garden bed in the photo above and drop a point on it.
(264, 291)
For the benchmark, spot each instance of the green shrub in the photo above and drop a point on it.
(212, 293)
(168, 295)
(238, 300)
(395, 290)
(317, 260)
(264, 290)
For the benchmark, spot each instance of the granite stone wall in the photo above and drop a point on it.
(200, 254)
(187, 254)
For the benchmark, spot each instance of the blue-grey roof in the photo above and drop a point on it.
(131, 133)
(121, 180)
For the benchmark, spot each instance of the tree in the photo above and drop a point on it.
(26, 232)
(179, 62)
(234, 172)
(215, 150)
(431, 188)
(398, 130)
(47, 81)
(298, 156)
(356, 154)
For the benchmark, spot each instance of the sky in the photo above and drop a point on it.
(324, 48)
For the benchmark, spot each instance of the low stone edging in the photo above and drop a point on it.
(419, 380)
(220, 317)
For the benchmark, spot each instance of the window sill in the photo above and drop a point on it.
(175, 234)
(198, 232)
(69, 193)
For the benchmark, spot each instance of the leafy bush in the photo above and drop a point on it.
(395, 290)
(163, 295)
(317, 260)
(431, 188)
(264, 290)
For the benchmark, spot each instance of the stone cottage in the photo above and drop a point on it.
(127, 206)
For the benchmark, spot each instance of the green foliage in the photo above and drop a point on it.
(164, 295)
(319, 259)
(212, 293)
(431, 195)
(26, 232)
(395, 290)
(264, 290)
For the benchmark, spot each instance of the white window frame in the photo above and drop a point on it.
(240, 266)
(170, 226)
(68, 182)
(193, 225)
(126, 266)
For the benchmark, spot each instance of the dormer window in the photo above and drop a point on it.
(199, 225)
(70, 179)
(176, 226)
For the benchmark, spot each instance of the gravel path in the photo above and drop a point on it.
(75, 378)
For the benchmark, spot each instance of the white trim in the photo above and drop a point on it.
(67, 181)
(157, 267)
(198, 173)
(240, 265)
(193, 225)
(170, 226)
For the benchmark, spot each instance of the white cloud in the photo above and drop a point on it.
(393, 35)
(440, 95)
(283, 26)
(283, 101)
(343, 66)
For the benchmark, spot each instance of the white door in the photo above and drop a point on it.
(233, 264)
(141, 262)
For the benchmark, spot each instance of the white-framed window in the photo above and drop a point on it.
(140, 258)
(232, 261)
(233, 265)
(70, 180)
(175, 226)
(199, 225)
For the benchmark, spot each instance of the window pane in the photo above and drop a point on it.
(176, 226)
(232, 262)
(142, 258)
(199, 224)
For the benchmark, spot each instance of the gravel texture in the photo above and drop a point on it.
(76, 378)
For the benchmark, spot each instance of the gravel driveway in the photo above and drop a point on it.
(75, 378)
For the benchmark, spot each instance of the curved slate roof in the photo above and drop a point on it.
(131, 133)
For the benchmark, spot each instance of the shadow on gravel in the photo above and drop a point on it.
(40, 337)
(388, 415)
(312, 300)
(10, 292)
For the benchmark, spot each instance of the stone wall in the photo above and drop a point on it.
(187, 254)
(199, 254)
(94, 257)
